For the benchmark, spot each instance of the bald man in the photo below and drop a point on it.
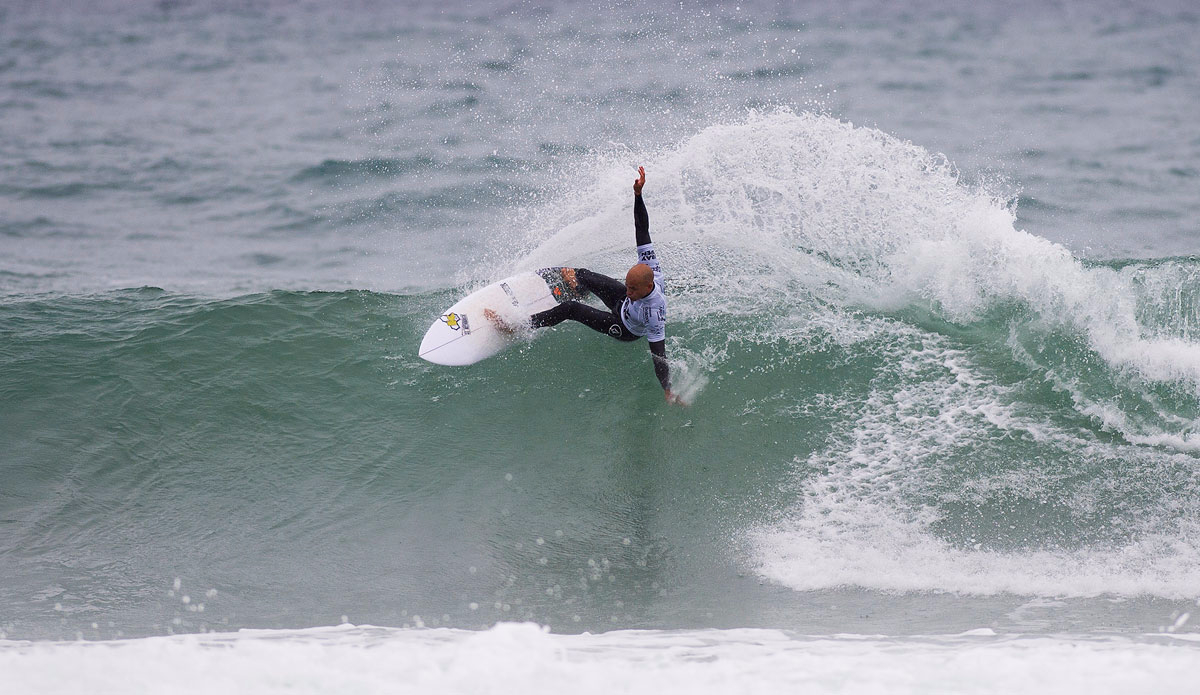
(637, 308)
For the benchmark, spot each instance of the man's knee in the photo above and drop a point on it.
(584, 276)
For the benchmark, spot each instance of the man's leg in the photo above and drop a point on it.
(595, 319)
(609, 290)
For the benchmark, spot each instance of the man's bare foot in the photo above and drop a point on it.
(498, 322)
(568, 275)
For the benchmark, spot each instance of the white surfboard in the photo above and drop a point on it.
(461, 335)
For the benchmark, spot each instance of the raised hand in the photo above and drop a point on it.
(640, 181)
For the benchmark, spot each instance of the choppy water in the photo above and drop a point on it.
(932, 293)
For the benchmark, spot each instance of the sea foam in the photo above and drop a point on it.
(525, 658)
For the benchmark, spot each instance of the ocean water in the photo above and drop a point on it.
(933, 300)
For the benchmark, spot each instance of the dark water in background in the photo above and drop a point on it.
(931, 393)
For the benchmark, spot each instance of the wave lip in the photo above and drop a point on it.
(782, 215)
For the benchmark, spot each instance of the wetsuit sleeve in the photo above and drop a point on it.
(662, 370)
(641, 221)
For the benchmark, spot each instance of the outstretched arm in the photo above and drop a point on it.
(641, 219)
(662, 370)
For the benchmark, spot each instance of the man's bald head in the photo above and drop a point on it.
(639, 281)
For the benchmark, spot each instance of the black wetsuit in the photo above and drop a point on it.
(612, 293)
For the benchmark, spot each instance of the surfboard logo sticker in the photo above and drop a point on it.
(511, 295)
(457, 322)
(557, 292)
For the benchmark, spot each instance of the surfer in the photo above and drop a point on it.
(636, 308)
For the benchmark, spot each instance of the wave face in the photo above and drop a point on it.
(899, 402)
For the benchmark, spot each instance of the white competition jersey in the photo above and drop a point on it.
(648, 315)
